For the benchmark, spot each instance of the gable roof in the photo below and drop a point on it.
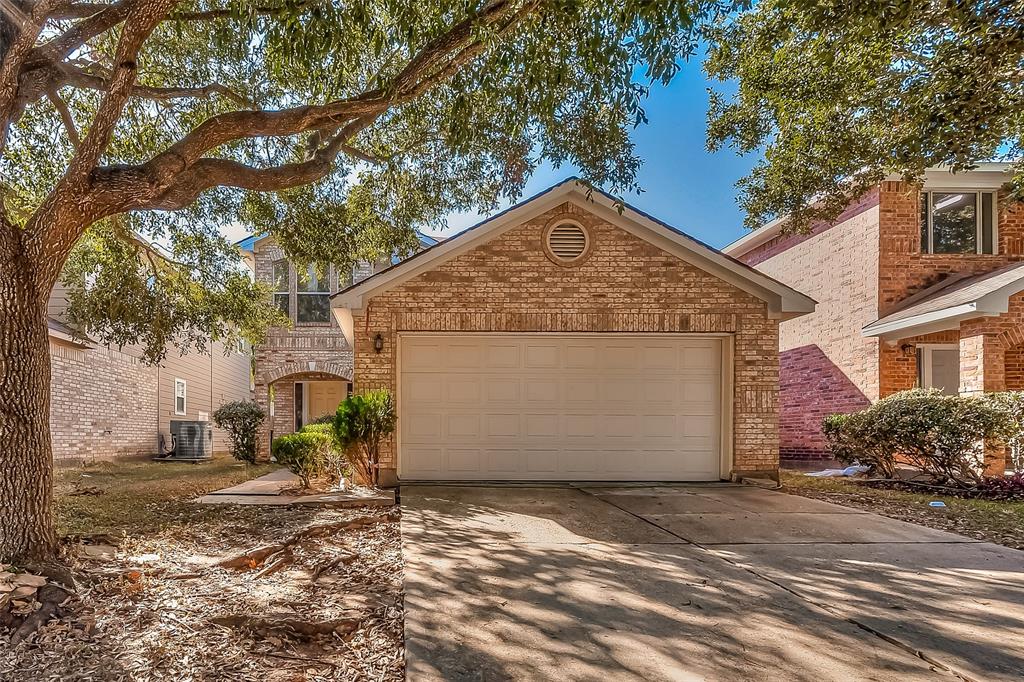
(784, 301)
(955, 298)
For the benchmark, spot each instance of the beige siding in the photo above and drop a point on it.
(211, 380)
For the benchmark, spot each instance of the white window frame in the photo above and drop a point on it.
(925, 371)
(326, 281)
(184, 396)
(926, 197)
(287, 291)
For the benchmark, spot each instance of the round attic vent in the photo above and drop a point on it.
(567, 242)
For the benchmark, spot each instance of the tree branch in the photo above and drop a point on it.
(65, 115)
(13, 54)
(81, 79)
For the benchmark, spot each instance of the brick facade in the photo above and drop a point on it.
(103, 404)
(860, 269)
(304, 352)
(625, 285)
(826, 365)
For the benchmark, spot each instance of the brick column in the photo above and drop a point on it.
(982, 370)
(981, 364)
(263, 400)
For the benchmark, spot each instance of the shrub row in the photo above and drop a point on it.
(942, 435)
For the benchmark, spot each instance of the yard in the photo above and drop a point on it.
(992, 521)
(329, 606)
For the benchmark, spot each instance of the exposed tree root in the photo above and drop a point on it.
(254, 558)
(288, 624)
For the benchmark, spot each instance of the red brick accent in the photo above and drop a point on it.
(625, 285)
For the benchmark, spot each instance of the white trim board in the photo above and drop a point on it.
(783, 302)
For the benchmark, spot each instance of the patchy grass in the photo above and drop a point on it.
(994, 521)
(142, 497)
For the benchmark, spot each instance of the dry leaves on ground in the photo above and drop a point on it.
(161, 608)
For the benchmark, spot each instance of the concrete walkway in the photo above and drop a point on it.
(710, 582)
(267, 491)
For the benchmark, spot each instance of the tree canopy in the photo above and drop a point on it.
(839, 95)
(336, 126)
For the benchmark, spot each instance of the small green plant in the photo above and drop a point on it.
(241, 420)
(361, 423)
(305, 453)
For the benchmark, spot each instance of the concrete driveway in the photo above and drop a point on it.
(713, 582)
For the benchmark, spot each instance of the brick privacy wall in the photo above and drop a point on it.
(103, 404)
(625, 285)
(784, 242)
(285, 356)
(826, 365)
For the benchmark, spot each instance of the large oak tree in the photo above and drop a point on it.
(837, 95)
(336, 125)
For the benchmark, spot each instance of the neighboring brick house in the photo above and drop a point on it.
(305, 371)
(107, 403)
(916, 286)
(566, 339)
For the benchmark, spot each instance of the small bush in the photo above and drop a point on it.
(1011, 405)
(1003, 487)
(362, 422)
(305, 453)
(241, 420)
(942, 435)
(335, 461)
(853, 438)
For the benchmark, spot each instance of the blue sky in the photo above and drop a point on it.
(683, 184)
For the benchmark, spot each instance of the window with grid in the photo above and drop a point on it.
(281, 288)
(179, 396)
(312, 286)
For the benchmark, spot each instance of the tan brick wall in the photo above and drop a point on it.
(625, 285)
(827, 365)
(103, 404)
(285, 356)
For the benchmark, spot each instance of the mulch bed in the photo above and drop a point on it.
(259, 594)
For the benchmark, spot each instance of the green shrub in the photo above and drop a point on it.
(241, 420)
(335, 461)
(1011, 405)
(362, 422)
(853, 439)
(942, 435)
(305, 453)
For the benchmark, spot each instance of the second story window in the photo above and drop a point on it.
(281, 287)
(313, 290)
(958, 222)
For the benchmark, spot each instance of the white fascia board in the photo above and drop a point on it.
(755, 238)
(938, 320)
(347, 324)
(781, 299)
(355, 297)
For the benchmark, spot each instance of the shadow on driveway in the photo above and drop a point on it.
(512, 582)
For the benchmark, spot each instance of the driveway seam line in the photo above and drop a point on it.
(820, 605)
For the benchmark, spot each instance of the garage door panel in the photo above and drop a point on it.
(560, 407)
(502, 389)
(463, 460)
(463, 389)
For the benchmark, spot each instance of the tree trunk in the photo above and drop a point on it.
(26, 465)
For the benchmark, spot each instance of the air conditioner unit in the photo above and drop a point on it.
(191, 441)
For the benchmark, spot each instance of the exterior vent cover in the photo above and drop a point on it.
(567, 242)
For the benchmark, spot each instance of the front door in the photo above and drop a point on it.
(323, 397)
(940, 368)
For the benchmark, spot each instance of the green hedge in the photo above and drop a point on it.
(942, 435)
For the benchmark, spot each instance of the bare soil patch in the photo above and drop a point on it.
(322, 599)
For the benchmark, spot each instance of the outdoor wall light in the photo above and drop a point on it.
(378, 342)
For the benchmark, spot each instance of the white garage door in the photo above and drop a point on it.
(573, 407)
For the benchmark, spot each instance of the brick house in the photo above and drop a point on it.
(106, 403)
(566, 339)
(302, 372)
(916, 286)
